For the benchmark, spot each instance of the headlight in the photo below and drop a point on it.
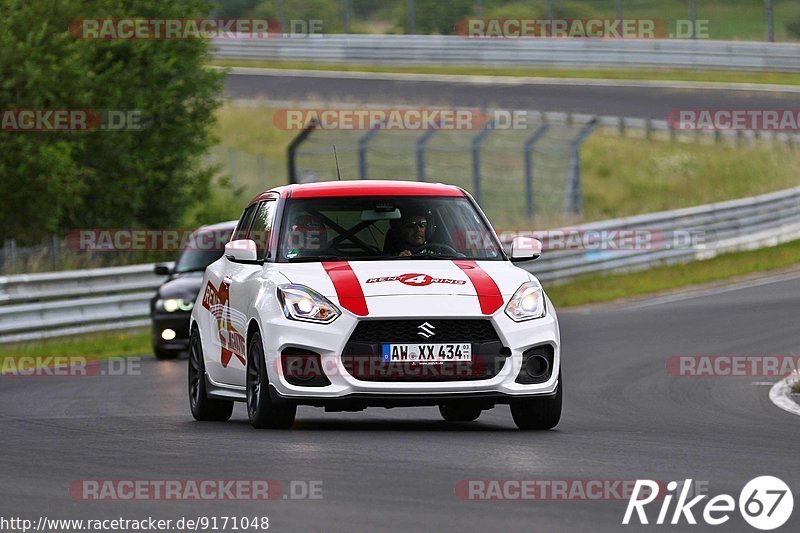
(527, 303)
(174, 304)
(307, 305)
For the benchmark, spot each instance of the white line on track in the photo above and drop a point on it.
(713, 291)
(512, 80)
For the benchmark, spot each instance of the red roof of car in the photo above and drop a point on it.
(333, 189)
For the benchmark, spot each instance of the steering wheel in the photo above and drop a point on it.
(436, 248)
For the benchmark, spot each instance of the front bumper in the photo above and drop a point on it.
(179, 323)
(329, 341)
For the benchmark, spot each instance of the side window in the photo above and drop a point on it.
(244, 224)
(262, 226)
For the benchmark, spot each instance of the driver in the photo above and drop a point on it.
(413, 233)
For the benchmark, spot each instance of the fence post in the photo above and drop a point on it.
(346, 16)
(422, 143)
(769, 22)
(412, 27)
(10, 253)
(54, 250)
(529, 142)
(362, 151)
(262, 171)
(232, 164)
(574, 194)
(291, 151)
(476, 161)
(281, 16)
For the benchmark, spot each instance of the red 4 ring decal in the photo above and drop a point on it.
(417, 280)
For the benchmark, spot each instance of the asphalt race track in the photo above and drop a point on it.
(641, 102)
(625, 418)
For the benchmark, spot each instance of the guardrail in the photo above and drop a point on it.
(561, 53)
(48, 305)
(61, 303)
(678, 236)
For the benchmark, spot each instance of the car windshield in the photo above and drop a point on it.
(397, 228)
(201, 250)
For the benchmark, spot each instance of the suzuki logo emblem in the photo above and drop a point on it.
(427, 330)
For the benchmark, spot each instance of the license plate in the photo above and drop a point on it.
(426, 353)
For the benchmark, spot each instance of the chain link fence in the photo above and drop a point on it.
(517, 175)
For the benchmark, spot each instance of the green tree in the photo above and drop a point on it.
(51, 182)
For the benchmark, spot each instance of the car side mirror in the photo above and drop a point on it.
(525, 249)
(162, 270)
(241, 251)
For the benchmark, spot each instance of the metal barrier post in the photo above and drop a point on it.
(262, 171)
(422, 143)
(476, 161)
(291, 151)
(528, 149)
(574, 194)
(362, 151)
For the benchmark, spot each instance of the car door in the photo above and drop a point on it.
(223, 332)
(243, 281)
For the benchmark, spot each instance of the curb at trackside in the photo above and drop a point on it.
(780, 395)
(510, 80)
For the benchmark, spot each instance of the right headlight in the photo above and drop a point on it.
(527, 303)
(307, 305)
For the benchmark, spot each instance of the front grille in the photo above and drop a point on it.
(445, 330)
(362, 353)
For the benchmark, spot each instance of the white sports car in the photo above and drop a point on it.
(347, 295)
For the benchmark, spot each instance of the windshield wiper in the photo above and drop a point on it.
(314, 258)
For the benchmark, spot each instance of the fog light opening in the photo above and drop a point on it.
(537, 366)
(168, 334)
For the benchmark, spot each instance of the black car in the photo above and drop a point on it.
(171, 306)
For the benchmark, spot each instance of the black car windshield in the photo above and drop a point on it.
(202, 249)
(380, 228)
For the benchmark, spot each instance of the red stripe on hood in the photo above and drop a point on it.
(488, 292)
(347, 286)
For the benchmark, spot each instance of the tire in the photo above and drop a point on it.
(165, 355)
(203, 408)
(539, 413)
(262, 411)
(459, 413)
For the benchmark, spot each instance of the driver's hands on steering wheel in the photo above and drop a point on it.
(405, 253)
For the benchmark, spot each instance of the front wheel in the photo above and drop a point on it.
(203, 408)
(262, 411)
(538, 413)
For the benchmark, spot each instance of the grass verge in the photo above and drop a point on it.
(720, 76)
(607, 288)
(97, 346)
